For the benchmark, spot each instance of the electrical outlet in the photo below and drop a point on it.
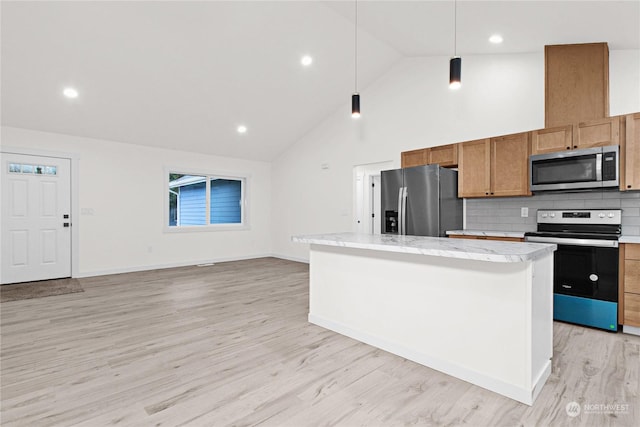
(524, 212)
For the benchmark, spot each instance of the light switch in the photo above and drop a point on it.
(524, 212)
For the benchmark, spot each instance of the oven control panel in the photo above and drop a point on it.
(580, 216)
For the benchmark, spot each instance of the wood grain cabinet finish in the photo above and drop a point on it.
(630, 274)
(597, 133)
(500, 239)
(552, 140)
(510, 165)
(576, 83)
(412, 158)
(443, 155)
(630, 153)
(474, 168)
(592, 133)
(495, 167)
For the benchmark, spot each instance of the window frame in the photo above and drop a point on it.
(208, 175)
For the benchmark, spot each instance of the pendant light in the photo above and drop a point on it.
(355, 98)
(455, 64)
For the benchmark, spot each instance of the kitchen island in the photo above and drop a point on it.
(478, 310)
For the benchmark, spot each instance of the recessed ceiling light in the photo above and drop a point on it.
(242, 129)
(495, 39)
(306, 60)
(70, 92)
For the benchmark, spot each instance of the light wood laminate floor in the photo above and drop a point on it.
(230, 344)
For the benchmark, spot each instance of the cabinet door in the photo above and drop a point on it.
(576, 83)
(510, 165)
(474, 177)
(552, 140)
(444, 155)
(632, 268)
(414, 158)
(631, 166)
(632, 309)
(597, 133)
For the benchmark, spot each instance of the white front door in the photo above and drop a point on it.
(35, 217)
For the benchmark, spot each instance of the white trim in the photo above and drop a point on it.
(290, 258)
(75, 195)
(191, 263)
(514, 392)
(245, 177)
(630, 330)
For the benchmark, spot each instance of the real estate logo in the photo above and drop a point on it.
(573, 409)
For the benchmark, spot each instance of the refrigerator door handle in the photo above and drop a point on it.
(404, 210)
(400, 210)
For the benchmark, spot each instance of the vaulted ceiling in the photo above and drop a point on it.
(185, 75)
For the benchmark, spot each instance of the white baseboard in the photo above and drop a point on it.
(630, 330)
(169, 265)
(509, 390)
(291, 258)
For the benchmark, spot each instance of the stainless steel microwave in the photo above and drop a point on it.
(578, 169)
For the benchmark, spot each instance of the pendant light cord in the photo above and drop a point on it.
(455, 27)
(356, 47)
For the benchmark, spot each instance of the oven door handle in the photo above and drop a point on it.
(574, 242)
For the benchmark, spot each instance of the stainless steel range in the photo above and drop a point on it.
(585, 265)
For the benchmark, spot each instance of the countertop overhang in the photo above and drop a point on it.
(481, 250)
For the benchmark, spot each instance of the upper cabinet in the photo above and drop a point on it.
(592, 133)
(443, 155)
(474, 168)
(597, 133)
(494, 167)
(414, 158)
(576, 83)
(630, 153)
(551, 140)
(510, 165)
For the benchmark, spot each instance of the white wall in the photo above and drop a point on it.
(124, 184)
(412, 107)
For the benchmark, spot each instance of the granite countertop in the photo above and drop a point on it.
(629, 239)
(487, 233)
(482, 250)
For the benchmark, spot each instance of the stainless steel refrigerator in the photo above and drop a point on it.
(420, 201)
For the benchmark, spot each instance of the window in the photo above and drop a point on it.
(209, 201)
(32, 169)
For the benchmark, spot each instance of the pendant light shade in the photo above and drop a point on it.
(455, 64)
(455, 70)
(355, 98)
(355, 105)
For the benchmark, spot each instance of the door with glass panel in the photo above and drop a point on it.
(35, 217)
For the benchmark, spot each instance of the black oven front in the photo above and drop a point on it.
(585, 265)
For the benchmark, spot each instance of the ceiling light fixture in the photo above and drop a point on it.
(355, 98)
(306, 60)
(495, 39)
(242, 129)
(455, 64)
(70, 92)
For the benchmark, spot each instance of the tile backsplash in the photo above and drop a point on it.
(504, 213)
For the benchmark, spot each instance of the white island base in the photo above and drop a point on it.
(485, 322)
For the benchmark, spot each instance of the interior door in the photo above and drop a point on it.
(36, 220)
